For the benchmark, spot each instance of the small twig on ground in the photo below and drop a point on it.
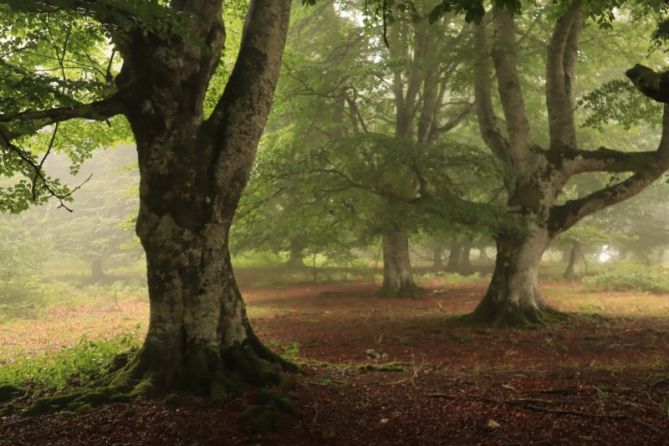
(17, 421)
(531, 404)
(610, 416)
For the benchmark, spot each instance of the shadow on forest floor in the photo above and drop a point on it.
(392, 371)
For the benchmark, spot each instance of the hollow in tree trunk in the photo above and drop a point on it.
(397, 276)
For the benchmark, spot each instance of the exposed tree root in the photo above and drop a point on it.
(533, 404)
(514, 316)
(238, 367)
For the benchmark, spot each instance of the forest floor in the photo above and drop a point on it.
(378, 371)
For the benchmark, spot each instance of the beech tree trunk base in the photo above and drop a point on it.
(214, 376)
(248, 365)
(507, 314)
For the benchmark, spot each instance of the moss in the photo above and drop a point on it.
(277, 399)
(120, 398)
(514, 316)
(145, 388)
(10, 391)
(173, 399)
(260, 418)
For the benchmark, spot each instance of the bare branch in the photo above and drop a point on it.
(564, 216)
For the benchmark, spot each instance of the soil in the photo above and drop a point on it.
(378, 371)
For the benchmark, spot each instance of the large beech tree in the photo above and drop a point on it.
(193, 167)
(541, 173)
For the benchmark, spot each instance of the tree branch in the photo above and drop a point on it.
(651, 84)
(97, 111)
(510, 90)
(485, 111)
(564, 216)
(560, 65)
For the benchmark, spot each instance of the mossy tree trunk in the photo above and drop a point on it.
(397, 275)
(192, 172)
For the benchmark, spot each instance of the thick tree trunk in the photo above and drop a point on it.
(573, 270)
(513, 298)
(397, 276)
(199, 337)
(192, 173)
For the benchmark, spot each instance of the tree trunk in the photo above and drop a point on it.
(295, 257)
(573, 270)
(513, 298)
(454, 253)
(438, 258)
(397, 276)
(192, 173)
(465, 262)
(97, 271)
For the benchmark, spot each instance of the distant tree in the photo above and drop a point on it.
(97, 231)
(360, 133)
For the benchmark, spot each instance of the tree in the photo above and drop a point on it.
(362, 131)
(98, 231)
(540, 174)
(193, 165)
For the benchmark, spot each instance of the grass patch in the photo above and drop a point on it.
(76, 366)
(629, 279)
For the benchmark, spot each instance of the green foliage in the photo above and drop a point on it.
(77, 366)
(629, 278)
(618, 102)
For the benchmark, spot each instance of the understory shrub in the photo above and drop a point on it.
(629, 279)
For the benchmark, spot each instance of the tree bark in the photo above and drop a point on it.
(513, 297)
(192, 173)
(397, 277)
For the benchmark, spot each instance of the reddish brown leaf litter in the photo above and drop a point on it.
(404, 372)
